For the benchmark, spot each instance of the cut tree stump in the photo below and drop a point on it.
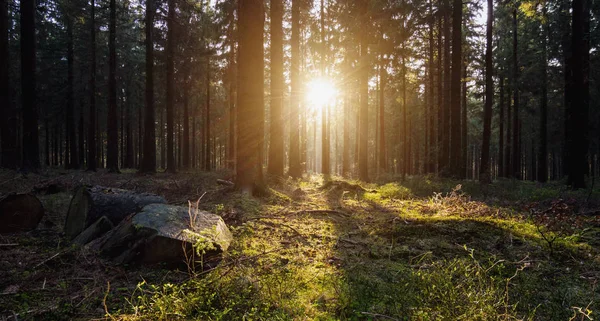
(94, 231)
(163, 233)
(20, 213)
(90, 203)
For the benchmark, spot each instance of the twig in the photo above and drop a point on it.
(9, 244)
(377, 315)
(47, 260)
(320, 212)
(225, 182)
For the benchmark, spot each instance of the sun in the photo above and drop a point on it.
(320, 92)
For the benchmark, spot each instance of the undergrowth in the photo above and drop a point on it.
(410, 251)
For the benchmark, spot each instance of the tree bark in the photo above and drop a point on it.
(8, 114)
(578, 165)
(170, 84)
(484, 174)
(542, 168)
(91, 159)
(149, 154)
(112, 152)
(516, 148)
(455, 89)
(363, 130)
(277, 85)
(31, 157)
(250, 94)
(295, 169)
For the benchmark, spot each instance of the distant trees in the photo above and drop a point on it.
(415, 94)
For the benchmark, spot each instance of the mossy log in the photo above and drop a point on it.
(163, 233)
(20, 213)
(90, 203)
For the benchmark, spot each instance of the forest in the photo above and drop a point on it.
(299, 159)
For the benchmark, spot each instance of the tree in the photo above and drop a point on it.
(363, 130)
(455, 88)
(112, 154)
(91, 161)
(580, 99)
(295, 169)
(148, 164)
(250, 94)
(542, 173)
(71, 144)
(277, 84)
(485, 176)
(516, 148)
(8, 123)
(31, 157)
(170, 86)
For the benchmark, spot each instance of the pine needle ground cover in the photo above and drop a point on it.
(422, 249)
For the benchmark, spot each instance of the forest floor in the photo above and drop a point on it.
(421, 249)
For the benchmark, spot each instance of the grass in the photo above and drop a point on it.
(423, 249)
(388, 255)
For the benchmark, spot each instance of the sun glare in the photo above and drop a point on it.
(320, 92)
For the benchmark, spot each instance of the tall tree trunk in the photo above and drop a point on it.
(363, 130)
(231, 92)
(81, 133)
(92, 146)
(445, 149)
(440, 99)
(484, 174)
(463, 124)
(295, 169)
(8, 115)
(73, 161)
(405, 151)
(277, 84)
(250, 94)
(578, 149)
(382, 151)
(148, 164)
(170, 83)
(31, 157)
(542, 168)
(516, 148)
(501, 129)
(112, 129)
(325, 155)
(455, 167)
(207, 160)
(186, 125)
(430, 159)
(346, 134)
(565, 26)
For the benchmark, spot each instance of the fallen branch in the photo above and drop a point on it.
(225, 182)
(320, 212)
(377, 315)
(47, 260)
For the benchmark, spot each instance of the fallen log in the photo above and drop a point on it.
(163, 233)
(90, 203)
(20, 213)
(94, 231)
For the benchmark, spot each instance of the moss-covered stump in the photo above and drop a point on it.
(20, 213)
(167, 234)
(90, 203)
